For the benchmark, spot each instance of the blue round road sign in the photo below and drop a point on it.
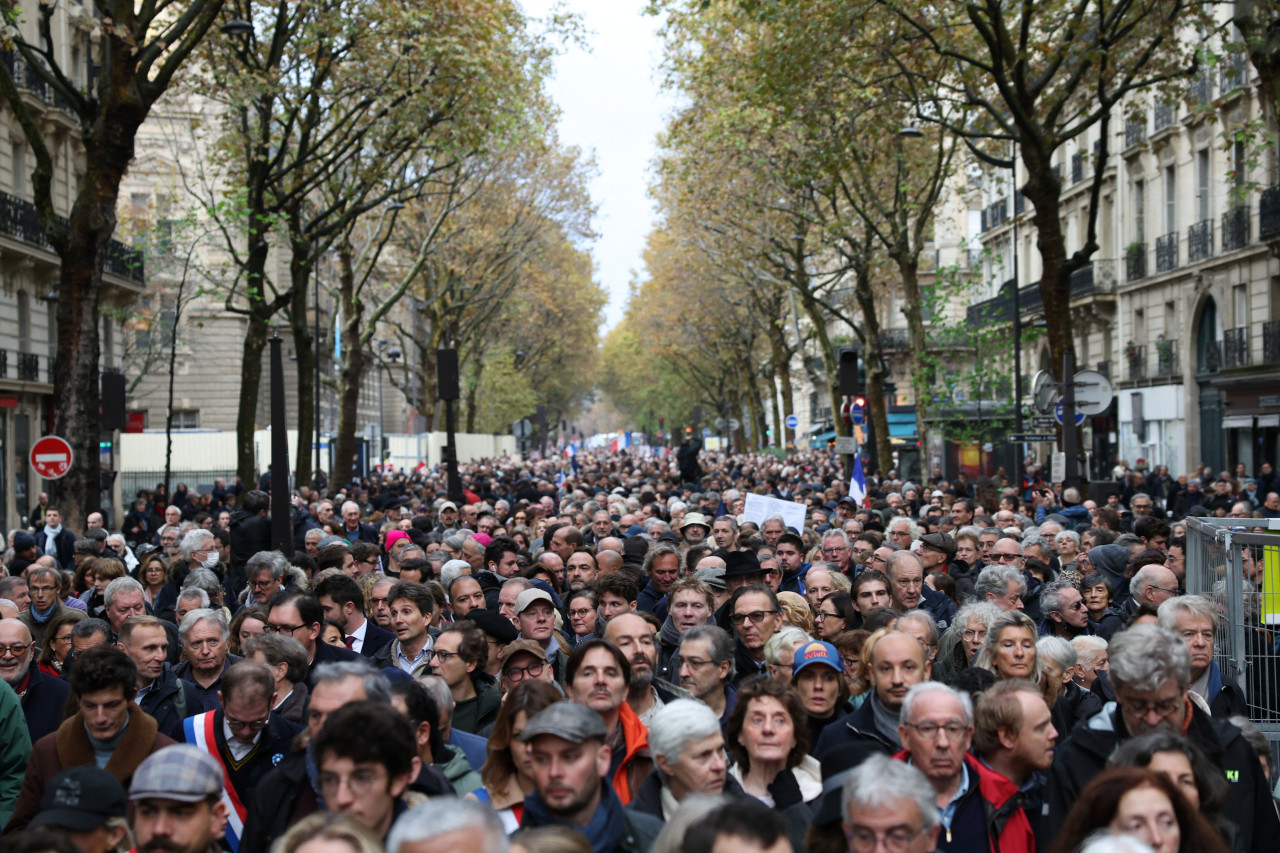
(792, 422)
(1057, 414)
(858, 414)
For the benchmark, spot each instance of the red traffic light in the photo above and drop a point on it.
(688, 429)
(860, 402)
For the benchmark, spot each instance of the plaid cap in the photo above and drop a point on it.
(180, 772)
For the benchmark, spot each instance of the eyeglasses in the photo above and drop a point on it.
(929, 730)
(834, 550)
(581, 614)
(865, 841)
(359, 783)
(1006, 558)
(974, 635)
(262, 584)
(516, 674)
(251, 725)
(756, 616)
(696, 663)
(16, 649)
(1141, 708)
(444, 657)
(42, 589)
(280, 629)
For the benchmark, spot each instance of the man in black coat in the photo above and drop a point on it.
(250, 533)
(42, 695)
(1150, 670)
(161, 693)
(298, 614)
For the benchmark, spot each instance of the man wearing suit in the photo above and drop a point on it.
(297, 614)
(242, 735)
(343, 602)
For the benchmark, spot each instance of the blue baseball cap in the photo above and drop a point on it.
(816, 652)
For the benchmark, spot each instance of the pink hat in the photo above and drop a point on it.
(394, 536)
(483, 538)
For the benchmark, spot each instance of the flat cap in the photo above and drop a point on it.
(179, 772)
(567, 720)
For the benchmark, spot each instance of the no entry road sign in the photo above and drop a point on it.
(51, 457)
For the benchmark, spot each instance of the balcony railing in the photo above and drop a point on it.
(1269, 213)
(1167, 252)
(1164, 116)
(1095, 277)
(1235, 347)
(1234, 72)
(1199, 241)
(1137, 355)
(1135, 132)
(1167, 357)
(27, 79)
(1202, 87)
(19, 219)
(894, 339)
(1235, 228)
(25, 367)
(1135, 262)
(1271, 342)
(1098, 277)
(1077, 168)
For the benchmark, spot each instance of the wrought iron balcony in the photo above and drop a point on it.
(25, 367)
(1271, 342)
(19, 219)
(1235, 228)
(974, 258)
(1167, 252)
(1199, 241)
(1135, 132)
(1167, 357)
(1235, 72)
(27, 79)
(1235, 347)
(1137, 356)
(1135, 262)
(894, 339)
(1202, 87)
(1164, 116)
(1269, 213)
(1098, 276)
(1077, 168)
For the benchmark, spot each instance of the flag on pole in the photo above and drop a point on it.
(858, 482)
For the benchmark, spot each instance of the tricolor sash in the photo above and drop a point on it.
(199, 732)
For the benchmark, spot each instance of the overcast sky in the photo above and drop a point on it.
(612, 106)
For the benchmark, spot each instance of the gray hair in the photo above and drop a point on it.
(792, 637)
(918, 690)
(899, 556)
(720, 645)
(519, 583)
(440, 693)
(837, 533)
(880, 781)
(924, 617)
(1088, 648)
(203, 579)
(678, 724)
(453, 543)
(1145, 656)
(1051, 599)
(1007, 619)
(451, 571)
(995, 580)
(193, 541)
(277, 649)
(1068, 534)
(1057, 650)
(913, 529)
(377, 686)
(449, 814)
(117, 586)
(774, 517)
(204, 614)
(272, 561)
(194, 593)
(1196, 605)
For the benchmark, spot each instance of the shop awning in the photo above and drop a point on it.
(902, 425)
(820, 440)
(1237, 422)
(1265, 421)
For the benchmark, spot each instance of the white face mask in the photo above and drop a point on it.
(211, 561)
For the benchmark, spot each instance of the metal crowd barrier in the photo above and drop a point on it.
(1236, 563)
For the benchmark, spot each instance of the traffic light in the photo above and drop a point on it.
(860, 402)
(851, 377)
(688, 430)
(661, 423)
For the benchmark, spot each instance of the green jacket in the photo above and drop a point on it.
(458, 771)
(473, 715)
(15, 749)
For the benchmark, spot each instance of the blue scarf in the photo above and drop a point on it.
(606, 829)
(1214, 687)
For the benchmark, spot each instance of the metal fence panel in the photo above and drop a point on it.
(1236, 563)
(199, 481)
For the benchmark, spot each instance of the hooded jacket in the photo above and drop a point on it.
(994, 800)
(1085, 755)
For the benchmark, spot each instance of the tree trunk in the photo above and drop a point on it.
(304, 348)
(818, 321)
(432, 418)
(1044, 191)
(908, 266)
(255, 342)
(873, 355)
(779, 422)
(351, 371)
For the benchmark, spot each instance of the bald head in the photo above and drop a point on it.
(608, 562)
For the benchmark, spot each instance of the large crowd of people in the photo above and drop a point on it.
(611, 653)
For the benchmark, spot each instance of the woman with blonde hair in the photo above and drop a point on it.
(322, 831)
(1010, 648)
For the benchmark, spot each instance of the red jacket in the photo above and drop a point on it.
(1008, 828)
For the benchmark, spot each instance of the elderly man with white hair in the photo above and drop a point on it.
(446, 824)
(1195, 619)
(352, 529)
(204, 642)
